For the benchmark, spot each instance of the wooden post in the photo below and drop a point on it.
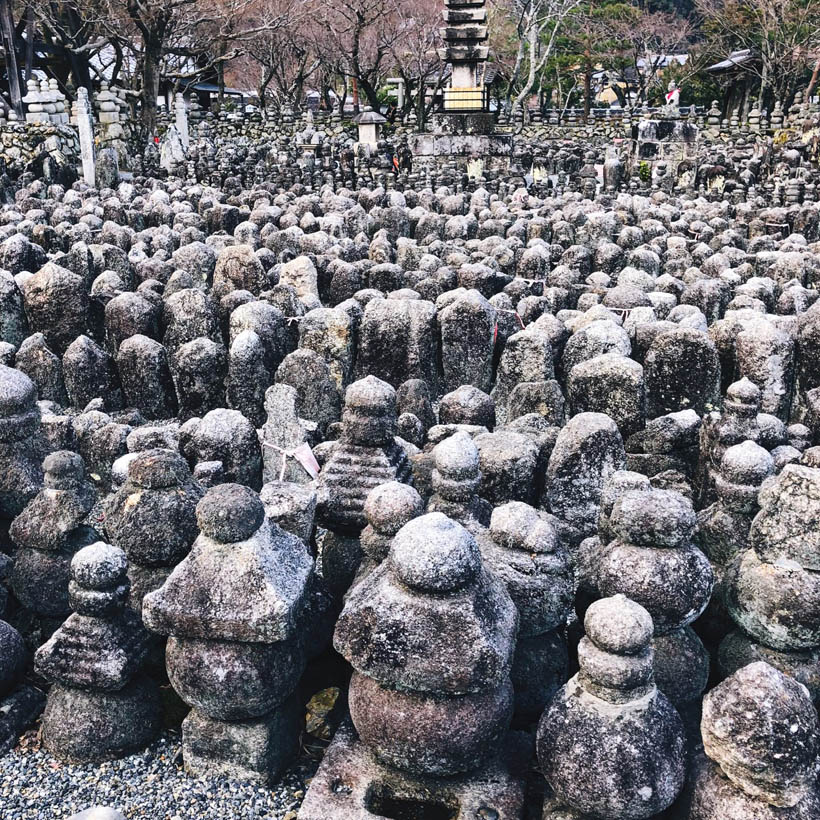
(29, 42)
(7, 30)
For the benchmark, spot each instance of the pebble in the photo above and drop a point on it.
(149, 785)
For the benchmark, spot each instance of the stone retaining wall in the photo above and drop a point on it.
(24, 146)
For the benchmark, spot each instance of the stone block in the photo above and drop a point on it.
(254, 750)
(352, 785)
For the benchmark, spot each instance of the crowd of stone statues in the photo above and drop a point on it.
(534, 470)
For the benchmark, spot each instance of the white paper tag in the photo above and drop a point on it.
(304, 455)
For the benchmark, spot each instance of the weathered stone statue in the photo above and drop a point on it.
(100, 705)
(654, 562)
(456, 479)
(233, 611)
(21, 448)
(526, 552)
(430, 635)
(737, 423)
(48, 532)
(723, 527)
(387, 508)
(759, 759)
(19, 703)
(152, 517)
(773, 588)
(610, 744)
(367, 454)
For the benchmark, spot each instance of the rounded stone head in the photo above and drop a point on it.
(18, 405)
(99, 581)
(158, 468)
(619, 483)
(230, 513)
(369, 416)
(761, 728)
(654, 518)
(800, 436)
(743, 398)
(743, 468)
(518, 526)
(64, 470)
(390, 506)
(456, 475)
(435, 554)
(618, 625)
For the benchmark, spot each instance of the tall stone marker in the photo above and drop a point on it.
(86, 130)
(181, 120)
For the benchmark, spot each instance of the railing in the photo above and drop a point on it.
(466, 100)
(605, 114)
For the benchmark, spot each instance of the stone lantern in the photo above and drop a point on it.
(233, 609)
(370, 125)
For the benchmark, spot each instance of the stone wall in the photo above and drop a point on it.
(225, 138)
(26, 146)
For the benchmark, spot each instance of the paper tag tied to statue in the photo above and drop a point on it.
(304, 455)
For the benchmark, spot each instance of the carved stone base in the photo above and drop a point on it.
(352, 785)
(255, 750)
(91, 725)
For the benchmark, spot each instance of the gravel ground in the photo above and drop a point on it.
(150, 785)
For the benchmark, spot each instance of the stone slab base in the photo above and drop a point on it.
(461, 145)
(256, 750)
(352, 785)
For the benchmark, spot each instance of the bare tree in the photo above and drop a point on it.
(220, 31)
(178, 39)
(283, 56)
(783, 37)
(643, 42)
(68, 32)
(538, 23)
(415, 54)
(356, 39)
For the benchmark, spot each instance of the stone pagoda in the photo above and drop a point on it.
(463, 129)
(466, 50)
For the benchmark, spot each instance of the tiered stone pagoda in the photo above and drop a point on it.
(464, 127)
(466, 50)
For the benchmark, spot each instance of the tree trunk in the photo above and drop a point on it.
(12, 70)
(263, 90)
(29, 42)
(343, 97)
(516, 73)
(329, 105)
(421, 110)
(532, 44)
(370, 93)
(150, 88)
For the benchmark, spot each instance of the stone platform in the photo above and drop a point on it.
(352, 785)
